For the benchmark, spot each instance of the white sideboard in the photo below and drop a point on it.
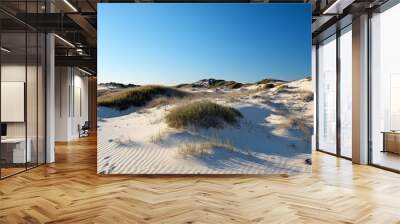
(19, 153)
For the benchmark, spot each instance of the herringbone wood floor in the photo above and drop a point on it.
(70, 191)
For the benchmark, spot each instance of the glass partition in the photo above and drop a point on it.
(31, 97)
(327, 95)
(14, 155)
(385, 89)
(22, 88)
(41, 97)
(346, 92)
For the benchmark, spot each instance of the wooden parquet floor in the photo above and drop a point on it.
(70, 191)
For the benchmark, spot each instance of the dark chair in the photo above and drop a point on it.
(84, 130)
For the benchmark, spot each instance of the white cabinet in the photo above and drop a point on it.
(19, 155)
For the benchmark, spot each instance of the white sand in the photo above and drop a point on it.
(138, 141)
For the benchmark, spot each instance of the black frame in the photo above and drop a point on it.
(338, 33)
(31, 30)
(317, 95)
(382, 8)
(387, 5)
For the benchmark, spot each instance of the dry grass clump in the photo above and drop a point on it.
(300, 123)
(233, 85)
(269, 86)
(204, 148)
(307, 96)
(157, 138)
(281, 88)
(138, 96)
(163, 101)
(265, 81)
(202, 114)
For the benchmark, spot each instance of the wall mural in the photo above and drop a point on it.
(204, 89)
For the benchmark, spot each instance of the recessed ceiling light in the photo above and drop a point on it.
(70, 5)
(5, 50)
(86, 72)
(338, 6)
(64, 40)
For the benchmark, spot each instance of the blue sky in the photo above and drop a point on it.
(182, 43)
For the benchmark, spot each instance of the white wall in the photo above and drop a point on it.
(9, 73)
(71, 94)
(80, 105)
(17, 73)
(62, 81)
(33, 125)
(13, 72)
(13, 101)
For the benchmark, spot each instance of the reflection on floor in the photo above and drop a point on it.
(11, 169)
(386, 159)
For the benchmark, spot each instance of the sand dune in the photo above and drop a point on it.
(267, 140)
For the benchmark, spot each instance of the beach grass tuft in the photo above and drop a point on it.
(138, 96)
(202, 114)
(204, 148)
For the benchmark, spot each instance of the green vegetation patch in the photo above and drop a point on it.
(138, 96)
(202, 114)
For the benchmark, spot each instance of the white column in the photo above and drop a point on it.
(50, 98)
(314, 84)
(360, 90)
(50, 91)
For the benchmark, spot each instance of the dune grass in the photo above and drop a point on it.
(204, 148)
(269, 86)
(138, 96)
(202, 114)
(234, 85)
(307, 96)
(281, 88)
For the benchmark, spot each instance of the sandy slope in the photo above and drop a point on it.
(138, 141)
